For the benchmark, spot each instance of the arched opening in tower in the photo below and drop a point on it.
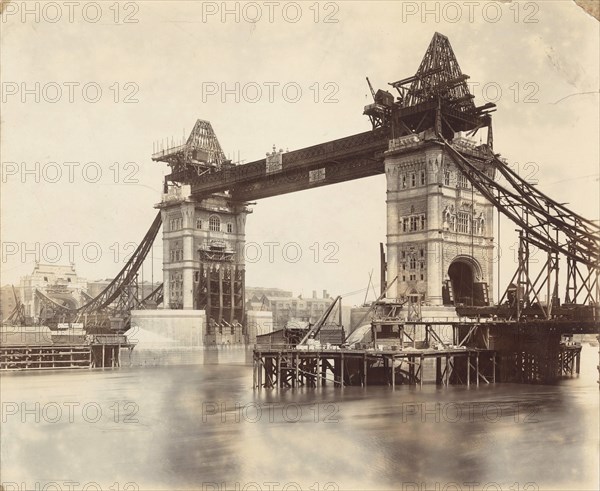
(462, 278)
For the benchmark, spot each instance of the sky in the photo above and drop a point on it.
(88, 90)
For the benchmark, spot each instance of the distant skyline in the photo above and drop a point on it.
(176, 65)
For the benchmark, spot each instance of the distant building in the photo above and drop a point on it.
(259, 291)
(61, 284)
(94, 288)
(286, 307)
(7, 300)
(58, 282)
(257, 297)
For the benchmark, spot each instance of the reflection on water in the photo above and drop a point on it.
(202, 426)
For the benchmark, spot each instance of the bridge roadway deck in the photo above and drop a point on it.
(345, 159)
(588, 326)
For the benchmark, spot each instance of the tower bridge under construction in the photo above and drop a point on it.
(437, 263)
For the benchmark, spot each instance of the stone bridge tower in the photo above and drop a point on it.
(203, 239)
(439, 228)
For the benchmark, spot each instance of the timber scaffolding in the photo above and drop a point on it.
(526, 351)
(98, 351)
(401, 352)
(291, 367)
(394, 355)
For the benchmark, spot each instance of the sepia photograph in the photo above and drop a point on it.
(299, 245)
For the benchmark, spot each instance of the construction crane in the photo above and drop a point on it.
(17, 316)
(379, 111)
(314, 329)
(371, 88)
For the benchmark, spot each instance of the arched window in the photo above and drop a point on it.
(214, 223)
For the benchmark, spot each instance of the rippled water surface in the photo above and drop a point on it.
(203, 427)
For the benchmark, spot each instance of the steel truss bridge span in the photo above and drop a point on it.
(435, 102)
(544, 223)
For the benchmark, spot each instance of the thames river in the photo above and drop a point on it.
(203, 427)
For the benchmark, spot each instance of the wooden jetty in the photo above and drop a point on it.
(292, 367)
(36, 350)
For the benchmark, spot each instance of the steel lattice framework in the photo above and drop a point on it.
(114, 302)
(436, 97)
(439, 76)
(203, 139)
(154, 298)
(536, 213)
(199, 155)
(50, 303)
(545, 224)
(121, 295)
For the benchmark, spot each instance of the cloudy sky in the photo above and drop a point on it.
(91, 88)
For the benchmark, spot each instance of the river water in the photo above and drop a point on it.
(203, 427)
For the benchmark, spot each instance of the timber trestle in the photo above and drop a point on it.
(292, 368)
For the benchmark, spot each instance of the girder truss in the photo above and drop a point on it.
(438, 76)
(121, 292)
(545, 224)
(203, 138)
(154, 298)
